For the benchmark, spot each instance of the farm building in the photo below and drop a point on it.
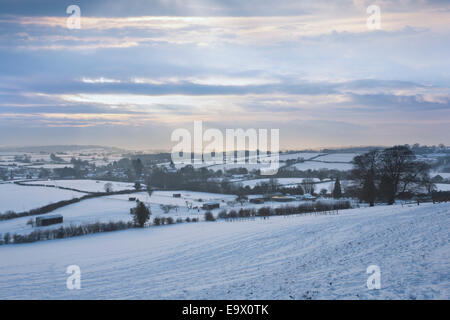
(176, 195)
(210, 206)
(49, 220)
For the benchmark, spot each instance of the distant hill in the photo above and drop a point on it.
(63, 148)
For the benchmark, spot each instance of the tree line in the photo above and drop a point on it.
(386, 174)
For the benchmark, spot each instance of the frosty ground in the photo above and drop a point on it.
(295, 257)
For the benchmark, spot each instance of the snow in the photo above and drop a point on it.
(443, 186)
(296, 257)
(23, 198)
(338, 157)
(444, 175)
(97, 157)
(295, 156)
(281, 181)
(329, 186)
(102, 209)
(86, 185)
(117, 208)
(51, 166)
(316, 165)
(248, 166)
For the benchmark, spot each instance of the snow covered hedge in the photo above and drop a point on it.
(309, 207)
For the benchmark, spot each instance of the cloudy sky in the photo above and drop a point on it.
(136, 70)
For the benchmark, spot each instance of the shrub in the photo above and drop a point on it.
(157, 221)
(141, 214)
(209, 216)
(70, 231)
(170, 220)
(232, 214)
(245, 213)
(265, 211)
(222, 214)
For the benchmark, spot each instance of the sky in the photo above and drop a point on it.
(137, 70)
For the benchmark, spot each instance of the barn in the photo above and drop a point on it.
(49, 220)
(211, 205)
(257, 200)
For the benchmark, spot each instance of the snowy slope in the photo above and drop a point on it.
(280, 258)
(316, 165)
(338, 157)
(116, 208)
(23, 198)
(85, 185)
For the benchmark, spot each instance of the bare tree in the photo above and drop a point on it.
(397, 164)
(308, 185)
(108, 187)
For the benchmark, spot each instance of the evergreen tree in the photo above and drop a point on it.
(337, 191)
(141, 214)
(369, 191)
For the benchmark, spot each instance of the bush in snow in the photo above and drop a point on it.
(232, 214)
(70, 231)
(265, 211)
(209, 216)
(222, 214)
(318, 206)
(141, 214)
(108, 187)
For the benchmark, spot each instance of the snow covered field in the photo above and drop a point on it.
(296, 257)
(86, 185)
(229, 165)
(316, 165)
(117, 208)
(442, 174)
(23, 198)
(281, 181)
(443, 186)
(338, 157)
(97, 157)
(102, 209)
(301, 155)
